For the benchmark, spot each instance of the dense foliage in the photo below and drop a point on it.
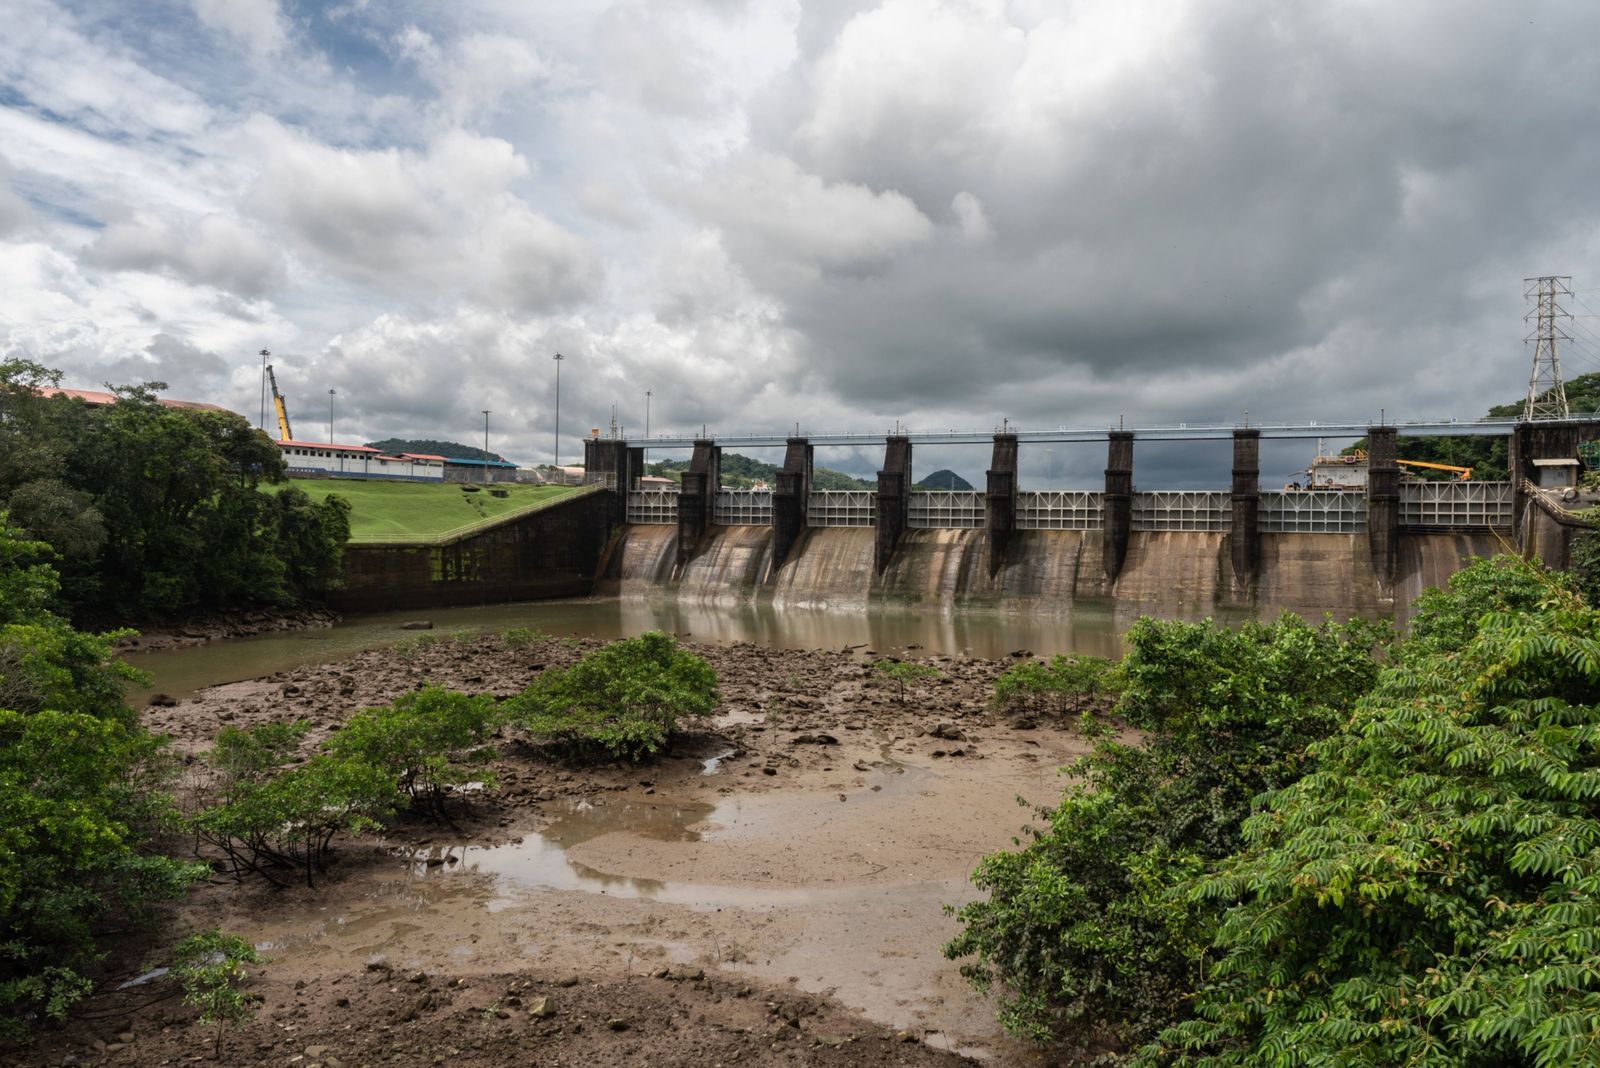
(1087, 931)
(1430, 893)
(623, 700)
(81, 798)
(153, 510)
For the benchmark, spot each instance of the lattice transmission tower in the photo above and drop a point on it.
(1547, 396)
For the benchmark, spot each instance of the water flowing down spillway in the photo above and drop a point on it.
(1174, 574)
(730, 566)
(828, 568)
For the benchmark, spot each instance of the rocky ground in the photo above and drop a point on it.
(202, 628)
(725, 914)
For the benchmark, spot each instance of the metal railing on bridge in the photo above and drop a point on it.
(842, 508)
(742, 508)
(1454, 505)
(946, 510)
(1060, 510)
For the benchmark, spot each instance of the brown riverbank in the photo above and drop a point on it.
(769, 892)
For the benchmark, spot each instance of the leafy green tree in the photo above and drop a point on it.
(1078, 678)
(310, 538)
(430, 741)
(210, 968)
(1086, 931)
(1430, 893)
(624, 699)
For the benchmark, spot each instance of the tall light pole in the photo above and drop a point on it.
(558, 359)
(647, 394)
(1050, 480)
(264, 355)
(486, 477)
(330, 417)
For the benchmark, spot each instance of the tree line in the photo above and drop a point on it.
(153, 512)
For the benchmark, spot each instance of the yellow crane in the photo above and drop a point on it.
(284, 433)
(1462, 473)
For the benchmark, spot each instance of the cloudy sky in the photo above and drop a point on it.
(833, 213)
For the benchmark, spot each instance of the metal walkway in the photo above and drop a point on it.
(1179, 432)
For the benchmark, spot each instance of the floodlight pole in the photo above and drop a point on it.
(558, 359)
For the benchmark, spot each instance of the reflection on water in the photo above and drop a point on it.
(180, 672)
(543, 862)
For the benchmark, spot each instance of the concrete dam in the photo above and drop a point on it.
(1175, 553)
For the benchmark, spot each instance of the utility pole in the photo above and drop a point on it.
(264, 355)
(558, 359)
(1547, 395)
(486, 477)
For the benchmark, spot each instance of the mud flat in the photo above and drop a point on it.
(771, 892)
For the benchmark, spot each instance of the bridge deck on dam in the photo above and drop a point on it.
(1173, 432)
(1423, 506)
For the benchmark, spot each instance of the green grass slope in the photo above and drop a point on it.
(423, 511)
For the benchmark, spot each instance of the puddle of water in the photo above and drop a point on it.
(542, 861)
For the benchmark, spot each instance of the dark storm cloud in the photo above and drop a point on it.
(1363, 184)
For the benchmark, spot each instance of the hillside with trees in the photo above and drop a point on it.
(943, 479)
(453, 450)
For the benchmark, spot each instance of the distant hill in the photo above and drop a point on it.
(943, 479)
(453, 449)
(741, 472)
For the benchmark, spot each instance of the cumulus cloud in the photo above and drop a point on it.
(775, 213)
(213, 250)
(842, 212)
(258, 24)
(440, 220)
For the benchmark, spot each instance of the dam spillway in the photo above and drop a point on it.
(1052, 573)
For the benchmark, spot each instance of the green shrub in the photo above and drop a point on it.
(80, 803)
(522, 637)
(903, 673)
(285, 820)
(428, 741)
(624, 699)
(209, 967)
(1087, 931)
(1032, 683)
(1430, 894)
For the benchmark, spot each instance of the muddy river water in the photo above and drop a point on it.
(832, 878)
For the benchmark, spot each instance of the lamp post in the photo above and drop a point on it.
(330, 417)
(486, 477)
(647, 394)
(1050, 479)
(558, 359)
